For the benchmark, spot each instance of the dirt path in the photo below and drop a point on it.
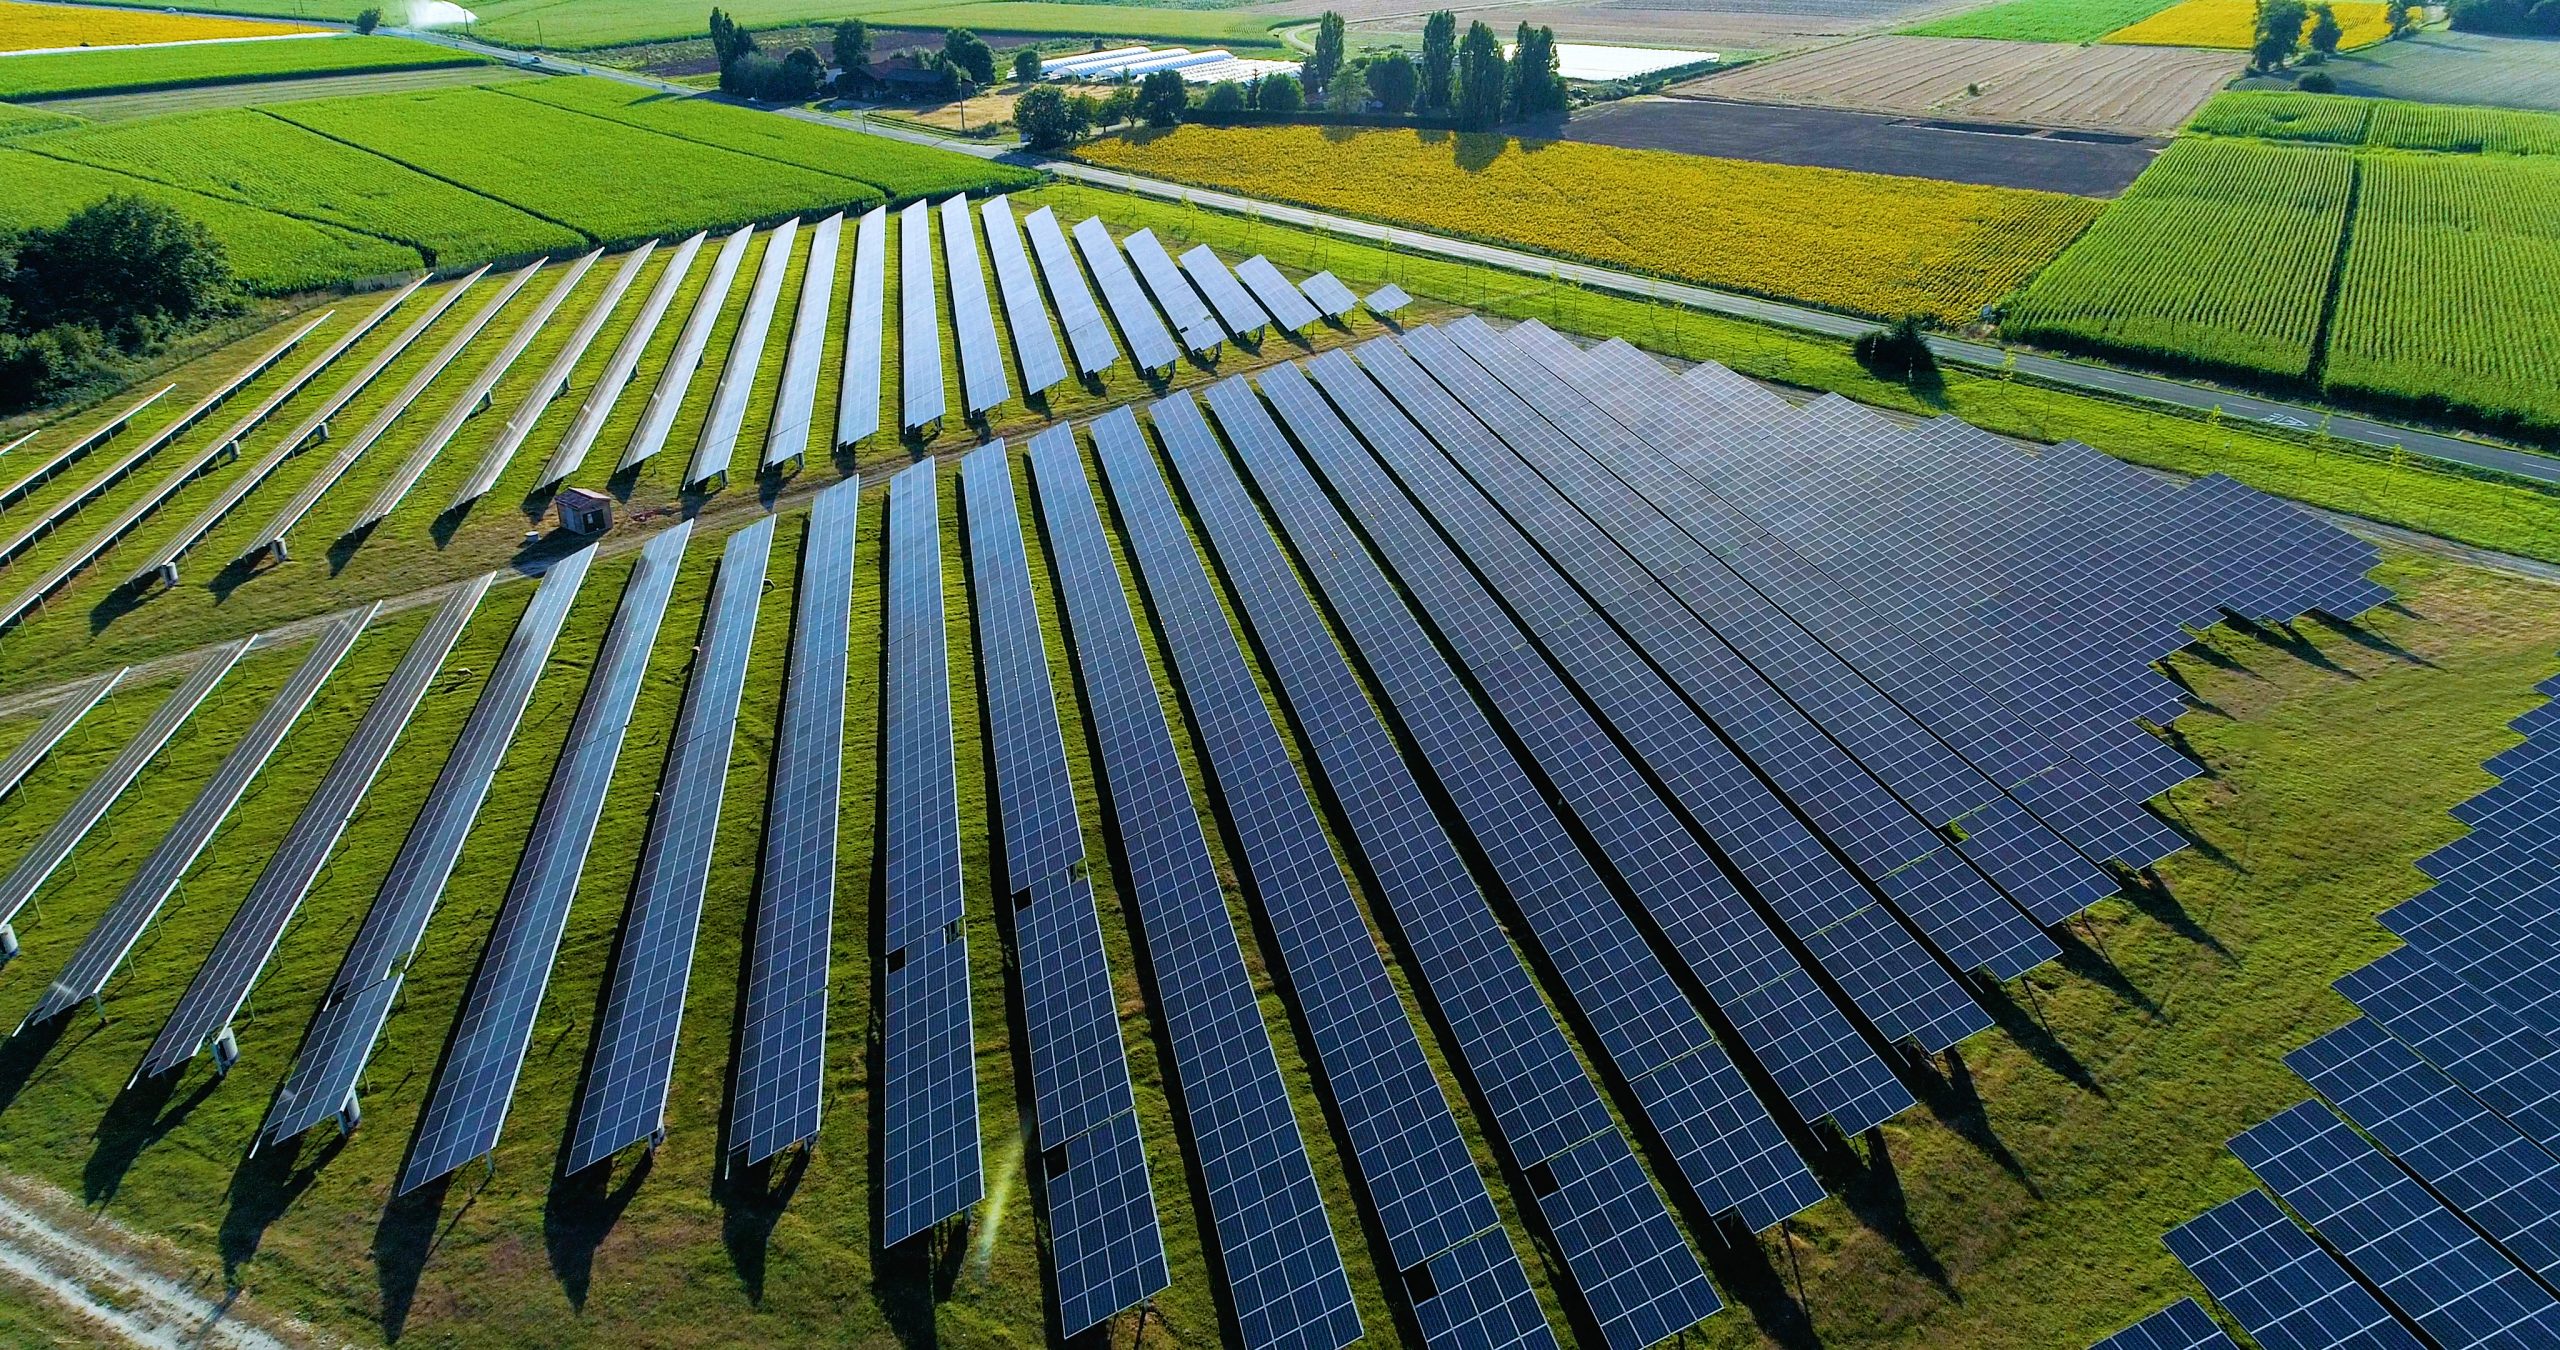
(92, 1267)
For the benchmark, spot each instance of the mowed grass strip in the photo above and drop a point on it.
(247, 156)
(60, 74)
(2217, 258)
(1864, 243)
(2042, 20)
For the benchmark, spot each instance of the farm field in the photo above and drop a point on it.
(258, 93)
(2339, 119)
(2073, 21)
(26, 28)
(1731, 28)
(2130, 91)
(2232, 24)
(2438, 66)
(1810, 234)
(1867, 142)
(18, 121)
(61, 74)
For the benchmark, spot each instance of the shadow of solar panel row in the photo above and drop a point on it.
(1760, 843)
(795, 401)
(1235, 306)
(468, 1104)
(983, 383)
(619, 369)
(675, 379)
(858, 391)
(1892, 848)
(2491, 1052)
(85, 975)
(1644, 1284)
(554, 379)
(222, 983)
(625, 1099)
(928, 1075)
(1814, 1053)
(1035, 344)
(715, 444)
(1181, 304)
(322, 1082)
(2180, 1326)
(1730, 1152)
(2278, 1283)
(1274, 1251)
(2429, 1264)
(1419, 1182)
(1087, 333)
(66, 714)
(782, 1049)
(39, 863)
(1149, 344)
(920, 392)
(1278, 298)
(1106, 1252)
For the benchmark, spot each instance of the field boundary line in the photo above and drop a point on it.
(423, 172)
(409, 244)
(886, 197)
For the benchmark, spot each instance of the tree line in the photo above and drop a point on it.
(115, 280)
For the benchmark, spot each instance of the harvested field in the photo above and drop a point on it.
(1868, 142)
(2441, 67)
(2136, 91)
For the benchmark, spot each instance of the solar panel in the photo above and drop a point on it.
(468, 1104)
(1278, 298)
(554, 379)
(1149, 344)
(85, 976)
(920, 390)
(79, 449)
(475, 396)
(716, 446)
(1087, 333)
(675, 379)
(858, 394)
(2278, 1284)
(39, 863)
(67, 712)
(1236, 308)
(271, 540)
(323, 1080)
(1278, 1263)
(1387, 300)
(783, 1049)
(222, 983)
(634, 1061)
(982, 377)
(1332, 299)
(2428, 1262)
(606, 393)
(1505, 1039)
(1035, 344)
(2180, 1326)
(2499, 1059)
(795, 404)
(1181, 304)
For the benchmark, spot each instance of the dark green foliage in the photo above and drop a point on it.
(2325, 31)
(1480, 79)
(1535, 87)
(1048, 119)
(1439, 60)
(1162, 98)
(729, 42)
(1898, 351)
(113, 280)
(368, 19)
(2279, 32)
(793, 79)
(1119, 106)
(1326, 61)
(1226, 96)
(1393, 81)
(1026, 65)
(2519, 18)
(852, 45)
(969, 54)
(2317, 82)
(1282, 94)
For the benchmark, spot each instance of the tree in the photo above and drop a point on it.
(1480, 76)
(1162, 98)
(1535, 86)
(2325, 31)
(1047, 120)
(1439, 60)
(1282, 93)
(1226, 96)
(2279, 33)
(2317, 82)
(1392, 83)
(2404, 18)
(793, 79)
(129, 267)
(729, 42)
(1349, 92)
(1026, 66)
(1118, 106)
(1319, 68)
(1898, 352)
(970, 55)
(368, 19)
(852, 45)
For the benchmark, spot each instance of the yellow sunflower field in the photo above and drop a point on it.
(30, 28)
(2233, 25)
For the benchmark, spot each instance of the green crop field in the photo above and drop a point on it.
(2392, 124)
(2075, 21)
(902, 171)
(59, 74)
(248, 156)
(17, 121)
(2218, 257)
(2285, 115)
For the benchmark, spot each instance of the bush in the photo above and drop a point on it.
(367, 20)
(115, 279)
(1026, 66)
(793, 79)
(1898, 351)
(2317, 82)
(1282, 94)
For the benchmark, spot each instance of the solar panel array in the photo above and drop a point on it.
(675, 379)
(554, 379)
(982, 379)
(1149, 344)
(858, 395)
(1181, 304)
(920, 393)
(1087, 333)
(716, 446)
(74, 704)
(783, 1047)
(1387, 299)
(1278, 298)
(1331, 298)
(620, 368)
(2278, 1283)
(1035, 344)
(2180, 1326)
(1235, 306)
(795, 403)
(79, 448)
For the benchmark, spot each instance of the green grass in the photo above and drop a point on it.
(2073, 21)
(59, 74)
(17, 121)
(207, 97)
(2391, 124)
(2271, 115)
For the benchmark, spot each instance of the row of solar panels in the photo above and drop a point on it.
(1804, 759)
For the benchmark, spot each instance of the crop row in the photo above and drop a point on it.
(2337, 119)
(2075, 21)
(62, 74)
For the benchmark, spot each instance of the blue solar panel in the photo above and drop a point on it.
(675, 378)
(920, 390)
(1277, 1260)
(783, 1050)
(715, 446)
(2497, 1058)
(2180, 1326)
(2278, 1284)
(795, 403)
(858, 395)
(1281, 300)
(1035, 344)
(1181, 304)
(625, 1098)
(1149, 344)
(1087, 332)
(67, 711)
(982, 378)
(1236, 307)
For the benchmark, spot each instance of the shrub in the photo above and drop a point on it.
(1048, 120)
(368, 19)
(2317, 82)
(1226, 96)
(1897, 351)
(1281, 94)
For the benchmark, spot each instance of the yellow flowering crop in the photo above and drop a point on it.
(2233, 25)
(26, 28)
(1861, 242)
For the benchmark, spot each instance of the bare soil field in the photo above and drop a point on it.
(1869, 142)
(1729, 27)
(2139, 91)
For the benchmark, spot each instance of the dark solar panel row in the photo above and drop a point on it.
(67, 712)
(1892, 847)
(928, 1074)
(85, 976)
(2278, 1284)
(2499, 1059)
(64, 835)
(1278, 298)
(858, 395)
(469, 1102)
(921, 397)
(626, 1094)
(222, 983)
(554, 379)
(1641, 1284)
(1421, 1184)
(1275, 1253)
(1035, 343)
(1812, 1051)
(323, 1079)
(715, 444)
(2180, 1326)
(675, 379)
(983, 383)
(1181, 304)
(782, 1051)
(1087, 333)
(795, 400)
(1149, 344)
(1235, 305)
(619, 369)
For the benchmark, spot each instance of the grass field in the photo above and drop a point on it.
(2232, 24)
(17, 121)
(2393, 124)
(61, 74)
(26, 28)
(2286, 115)
(258, 93)
(2042, 20)
(2438, 66)
(1866, 243)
